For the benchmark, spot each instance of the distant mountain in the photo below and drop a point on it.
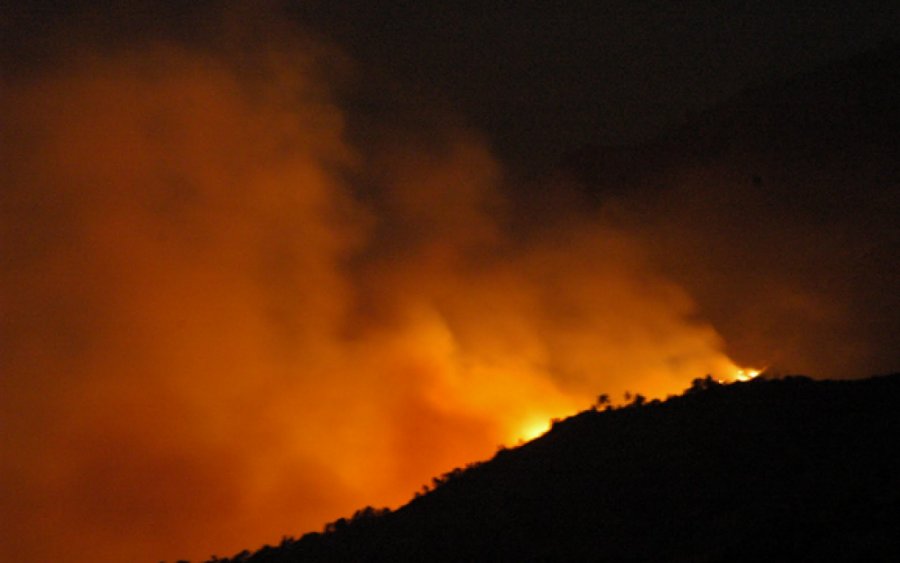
(770, 470)
(848, 103)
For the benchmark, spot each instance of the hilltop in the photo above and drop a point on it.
(787, 469)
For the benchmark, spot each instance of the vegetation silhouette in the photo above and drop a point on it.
(789, 469)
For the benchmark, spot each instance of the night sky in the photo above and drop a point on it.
(263, 265)
(537, 80)
(540, 80)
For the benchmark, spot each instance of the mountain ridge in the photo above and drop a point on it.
(789, 468)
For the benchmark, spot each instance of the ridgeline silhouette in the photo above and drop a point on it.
(790, 469)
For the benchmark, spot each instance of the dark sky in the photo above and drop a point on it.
(543, 77)
(539, 78)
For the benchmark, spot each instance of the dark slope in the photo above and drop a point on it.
(790, 469)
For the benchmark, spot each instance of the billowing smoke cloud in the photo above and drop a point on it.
(222, 322)
(786, 234)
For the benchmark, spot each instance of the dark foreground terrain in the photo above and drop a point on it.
(770, 470)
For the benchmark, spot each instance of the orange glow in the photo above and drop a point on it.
(746, 374)
(533, 429)
(212, 339)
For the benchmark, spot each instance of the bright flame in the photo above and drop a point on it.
(534, 429)
(743, 375)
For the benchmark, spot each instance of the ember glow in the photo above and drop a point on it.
(225, 321)
(744, 375)
(533, 429)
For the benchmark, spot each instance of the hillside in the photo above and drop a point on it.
(790, 469)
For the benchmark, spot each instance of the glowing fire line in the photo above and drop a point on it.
(744, 375)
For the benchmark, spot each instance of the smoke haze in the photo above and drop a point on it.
(224, 320)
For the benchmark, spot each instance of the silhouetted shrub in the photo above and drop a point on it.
(703, 384)
(367, 514)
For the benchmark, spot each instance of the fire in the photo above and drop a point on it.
(747, 374)
(534, 428)
(332, 350)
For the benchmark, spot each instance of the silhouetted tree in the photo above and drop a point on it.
(336, 526)
(703, 384)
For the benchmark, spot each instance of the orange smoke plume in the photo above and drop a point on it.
(214, 336)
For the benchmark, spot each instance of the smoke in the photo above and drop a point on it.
(790, 248)
(223, 322)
